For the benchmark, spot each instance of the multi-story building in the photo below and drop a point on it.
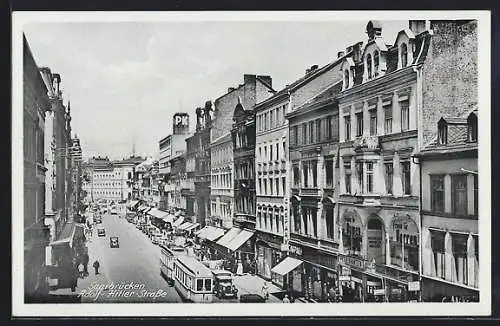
(272, 168)
(36, 234)
(221, 183)
(448, 162)
(254, 89)
(188, 187)
(201, 147)
(75, 153)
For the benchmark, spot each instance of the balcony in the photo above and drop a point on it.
(366, 143)
(244, 218)
(313, 192)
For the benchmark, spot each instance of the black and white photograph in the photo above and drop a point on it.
(305, 163)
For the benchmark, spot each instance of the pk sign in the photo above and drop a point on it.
(183, 120)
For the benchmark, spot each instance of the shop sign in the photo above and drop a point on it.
(353, 262)
(344, 278)
(379, 292)
(414, 286)
(295, 250)
(396, 291)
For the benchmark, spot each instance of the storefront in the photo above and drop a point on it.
(238, 247)
(269, 254)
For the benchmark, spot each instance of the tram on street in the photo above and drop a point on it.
(167, 257)
(193, 280)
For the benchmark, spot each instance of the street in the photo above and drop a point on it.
(130, 273)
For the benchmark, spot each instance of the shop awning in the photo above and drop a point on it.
(230, 235)
(184, 225)
(286, 266)
(210, 233)
(193, 226)
(178, 221)
(143, 209)
(69, 232)
(133, 203)
(155, 212)
(239, 240)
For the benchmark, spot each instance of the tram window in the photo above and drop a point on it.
(208, 284)
(199, 285)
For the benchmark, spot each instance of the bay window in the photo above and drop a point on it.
(347, 171)
(360, 175)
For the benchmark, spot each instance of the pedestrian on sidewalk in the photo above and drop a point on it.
(96, 266)
(81, 270)
(285, 299)
(265, 291)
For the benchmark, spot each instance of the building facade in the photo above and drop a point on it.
(221, 182)
(36, 234)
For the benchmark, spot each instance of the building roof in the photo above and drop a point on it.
(327, 96)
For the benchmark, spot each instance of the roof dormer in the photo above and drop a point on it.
(405, 45)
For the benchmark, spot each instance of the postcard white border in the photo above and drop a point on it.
(20, 309)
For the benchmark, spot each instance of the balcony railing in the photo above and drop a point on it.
(310, 192)
(243, 217)
(283, 166)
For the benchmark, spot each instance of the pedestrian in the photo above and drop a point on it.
(81, 270)
(285, 299)
(265, 291)
(74, 278)
(96, 266)
(86, 264)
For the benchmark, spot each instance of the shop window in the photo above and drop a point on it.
(459, 194)
(389, 174)
(359, 124)
(437, 193)
(373, 122)
(329, 172)
(347, 127)
(405, 245)
(314, 167)
(352, 238)
(437, 246)
(406, 177)
(199, 285)
(459, 245)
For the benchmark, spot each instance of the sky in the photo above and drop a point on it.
(125, 80)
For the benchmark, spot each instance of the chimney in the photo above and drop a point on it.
(340, 54)
(249, 79)
(267, 79)
(418, 26)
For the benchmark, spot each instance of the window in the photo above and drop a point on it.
(388, 118)
(375, 63)
(296, 175)
(406, 177)
(352, 237)
(277, 151)
(359, 173)
(442, 132)
(270, 152)
(271, 119)
(278, 116)
(359, 124)
(265, 121)
(329, 172)
(437, 246)
(304, 134)
(404, 55)
(459, 247)
(346, 79)
(284, 151)
(265, 186)
(347, 123)
(208, 285)
(389, 173)
(437, 193)
(311, 132)
(199, 285)
(329, 221)
(459, 194)
(476, 195)
(318, 130)
(265, 152)
(405, 115)
(369, 177)
(277, 182)
(314, 168)
(373, 122)
(369, 65)
(472, 128)
(306, 175)
(347, 170)
(294, 135)
(283, 183)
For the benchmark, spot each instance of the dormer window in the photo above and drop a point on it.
(369, 65)
(472, 128)
(442, 132)
(404, 55)
(346, 79)
(375, 63)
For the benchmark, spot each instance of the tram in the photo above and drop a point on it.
(193, 280)
(167, 257)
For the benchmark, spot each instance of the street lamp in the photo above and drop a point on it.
(468, 171)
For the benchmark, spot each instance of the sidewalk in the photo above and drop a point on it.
(253, 284)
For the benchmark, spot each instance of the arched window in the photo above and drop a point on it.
(472, 128)
(404, 55)
(369, 65)
(346, 79)
(375, 63)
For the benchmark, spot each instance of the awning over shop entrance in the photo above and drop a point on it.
(143, 208)
(239, 240)
(230, 235)
(155, 212)
(69, 232)
(286, 266)
(133, 203)
(169, 218)
(193, 226)
(184, 226)
(210, 233)
(178, 221)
